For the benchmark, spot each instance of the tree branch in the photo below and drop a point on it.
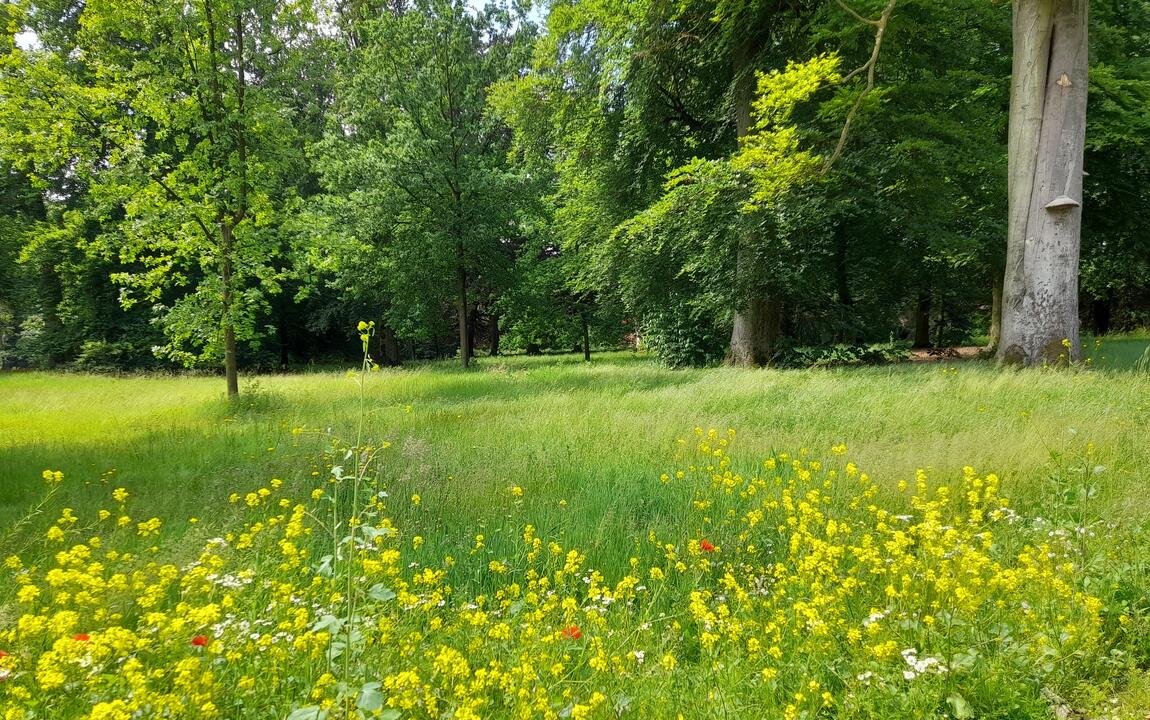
(850, 11)
(869, 69)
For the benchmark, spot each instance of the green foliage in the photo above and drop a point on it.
(683, 336)
(173, 120)
(841, 354)
(770, 154)
(439, 167)
(419, 167)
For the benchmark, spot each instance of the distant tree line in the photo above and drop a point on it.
(236, 183)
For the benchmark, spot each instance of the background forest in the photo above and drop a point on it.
(239, 181)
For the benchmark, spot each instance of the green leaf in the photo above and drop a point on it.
(370, 697)
(329, 623)
(959, 706)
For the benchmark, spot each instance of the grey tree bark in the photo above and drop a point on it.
(1047, 134)
(758, 318)
(995, 316)
(756, 326)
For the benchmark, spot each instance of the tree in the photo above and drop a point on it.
(1047, 136)
(174, 118)
(422, 163)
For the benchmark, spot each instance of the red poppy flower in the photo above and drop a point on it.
(706, 546)
(200, 640)
(82, 637)
(3, 654)
(572, 633)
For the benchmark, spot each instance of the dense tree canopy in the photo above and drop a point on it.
(237, 182)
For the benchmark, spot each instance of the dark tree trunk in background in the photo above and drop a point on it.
(494, 350)
(940, 328)
(388, 346)
(922, 322)
(281, 337)
(236, 216)
(1100, 314)
(472, 330)
(231, 369)
(464, 335)
(842, 270)
(1046, 139)
(586, 338)
(842, 285)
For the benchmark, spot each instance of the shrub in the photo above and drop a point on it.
(32, 343)
(103, 355)
(831, 355)
(681, 336)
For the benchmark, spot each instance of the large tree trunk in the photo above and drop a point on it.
(756, 325)
(1047, 133)
(753, 337)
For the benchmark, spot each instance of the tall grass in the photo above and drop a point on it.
(591, 435)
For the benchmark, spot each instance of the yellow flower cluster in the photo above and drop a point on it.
(800, 590)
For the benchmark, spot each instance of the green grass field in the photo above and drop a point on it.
(587, 444)
(594, 434)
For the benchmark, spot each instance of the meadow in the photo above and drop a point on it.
(543, 537)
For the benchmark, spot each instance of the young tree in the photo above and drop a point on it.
(1047, 135)
(171, 114)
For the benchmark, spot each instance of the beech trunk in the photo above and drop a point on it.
(757, 320)
(586, 338)
(1047, 133)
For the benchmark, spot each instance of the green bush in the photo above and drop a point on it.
(841, 354)
(681, 336)
(104, 355)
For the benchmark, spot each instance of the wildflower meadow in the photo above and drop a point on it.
(733, 582)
